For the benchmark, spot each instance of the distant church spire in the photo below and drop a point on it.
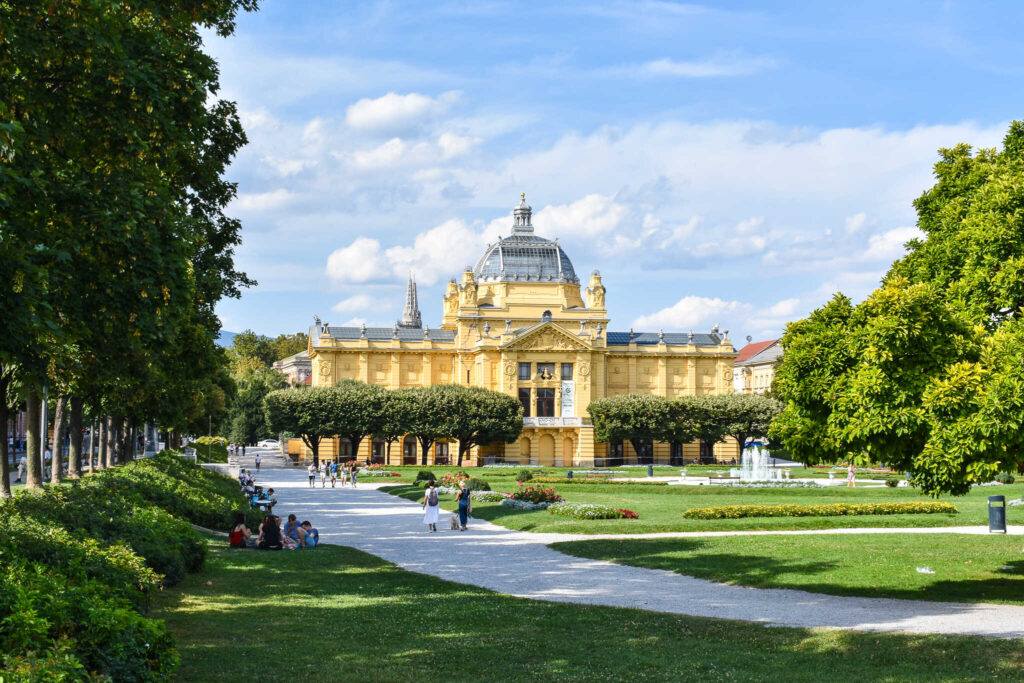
(411, 314)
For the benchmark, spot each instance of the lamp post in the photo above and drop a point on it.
(209, 439)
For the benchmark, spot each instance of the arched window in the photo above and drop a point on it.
(545, 316)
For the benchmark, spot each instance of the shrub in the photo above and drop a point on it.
(827, 510)
(628, 514)
(475, 484)
(425, 475)
(524, 475)
(892, 481)
(536, 494)
(210, 449)
(452, 479)
(1005, 478)
(586, 511)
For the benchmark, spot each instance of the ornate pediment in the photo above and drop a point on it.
(547, 337)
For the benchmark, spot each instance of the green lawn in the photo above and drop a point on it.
(661, 508)
(339, 614)
(967, 568)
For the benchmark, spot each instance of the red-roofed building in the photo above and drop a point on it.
(754, 367)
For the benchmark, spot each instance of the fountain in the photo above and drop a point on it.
(754, 466)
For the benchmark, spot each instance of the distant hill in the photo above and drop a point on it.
(225, 338)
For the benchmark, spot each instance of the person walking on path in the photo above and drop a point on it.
(851, 476)
(243, 450)
(355, 474)
(323, 474)
(311, 471)
(431, 507)
(257, 463)
(333, 467)
(344, 474)
(464, 504)
(22, 465)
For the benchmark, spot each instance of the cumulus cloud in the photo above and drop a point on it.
(262, 201)
(361, 261)
(433, 254)
(692, 312)
(394, 112)
(594, 214)
(889, 246)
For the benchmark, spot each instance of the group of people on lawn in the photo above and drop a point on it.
(349, 473)
(271, 536)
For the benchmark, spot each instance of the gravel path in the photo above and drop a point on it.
(520, 563)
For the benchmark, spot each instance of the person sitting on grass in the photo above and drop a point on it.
(239, 536)
(292, 533)
(310, 536)
(270, 534)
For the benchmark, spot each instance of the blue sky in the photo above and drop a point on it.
(734, 163)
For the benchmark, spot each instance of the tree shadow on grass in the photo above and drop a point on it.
(335, 613)
(759, 571)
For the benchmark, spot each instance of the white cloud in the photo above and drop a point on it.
(359, 302)
(361, 261)
(591, 215)
(855, 222)
(889, 245)
(393, 112)
(692, 312)
(262, 201)
(452, 145)
(723, 65)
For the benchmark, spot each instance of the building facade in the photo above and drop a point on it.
(754, 368)
(520, 322)
(297, 368)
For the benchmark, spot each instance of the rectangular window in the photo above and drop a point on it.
(546, 370)
(524, 398)
(377, 452)
(524, 371)
(346, 448)
(441, 454)
(545, 403)
(567, 371)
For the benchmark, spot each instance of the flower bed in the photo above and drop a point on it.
(525, 504)
(378, 473)
(590, 511)
(536, 494)
(776, 485)
(488, 496)
(827, 510)
(452, 479)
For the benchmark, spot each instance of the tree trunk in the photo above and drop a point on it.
(75, 447)
(111, 443)
(101, 441)
(59, 432)
(34, 474)
(462, 451)
(424, 448)
(5, 473)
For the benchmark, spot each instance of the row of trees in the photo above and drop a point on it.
(355, 411)
(927, 374)
(114, 244)
(643, 419)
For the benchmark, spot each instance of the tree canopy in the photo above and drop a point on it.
(925, 375)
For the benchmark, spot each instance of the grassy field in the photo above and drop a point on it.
(661, 508)
(339, 614)
(408, 472)
(967, 568)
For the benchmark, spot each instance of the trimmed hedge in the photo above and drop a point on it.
(826, 510)
(210, 448)
(596, 481)
(79, 562)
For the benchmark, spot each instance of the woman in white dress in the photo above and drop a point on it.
(431, 507)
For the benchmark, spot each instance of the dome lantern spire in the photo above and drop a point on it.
(521, 224)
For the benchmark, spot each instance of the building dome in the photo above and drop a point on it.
(523, 256)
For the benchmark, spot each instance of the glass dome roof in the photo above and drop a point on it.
(524, 256)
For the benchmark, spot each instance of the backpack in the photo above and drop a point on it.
(432, 498)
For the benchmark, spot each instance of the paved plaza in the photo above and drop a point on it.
(521, 564)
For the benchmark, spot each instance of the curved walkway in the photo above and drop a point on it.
(521, 564)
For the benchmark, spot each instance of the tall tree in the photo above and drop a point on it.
(640, 419)
(480, 416)
(920, 375)
(305, 412)
(248, 420)
(428, 411)
(394, 421)
(355, 410)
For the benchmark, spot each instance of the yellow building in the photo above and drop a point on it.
(519, 323)
(754, 367)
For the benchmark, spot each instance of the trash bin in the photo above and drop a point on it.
(568, 475)
(997, 514)
(650, 470)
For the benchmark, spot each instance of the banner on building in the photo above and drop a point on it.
(568, 398)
